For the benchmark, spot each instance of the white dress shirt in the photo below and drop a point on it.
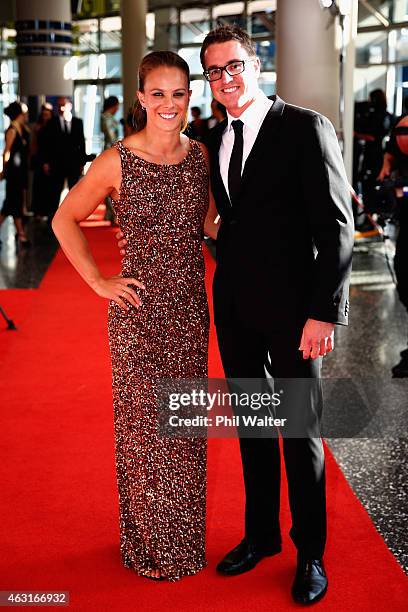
(252, 118)
(64, 123)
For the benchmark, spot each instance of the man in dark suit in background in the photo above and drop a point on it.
(63, 151)
(284, 252)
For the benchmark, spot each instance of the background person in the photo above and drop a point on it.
(396, 166)
(198, 127)
(64, 150)
(218, 114)
(15, 169)
(41, 196)
(109, 123)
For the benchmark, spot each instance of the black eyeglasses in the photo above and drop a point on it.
(233, 68)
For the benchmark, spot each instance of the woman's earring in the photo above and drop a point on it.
(143, 108)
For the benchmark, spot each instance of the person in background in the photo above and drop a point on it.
(15, 169)
(395, 165)
(110, 131)
(219, 113)
(109, 123)
(198, 127)
(128, 123)
(64, 150)
(379, 124)
(41, 191)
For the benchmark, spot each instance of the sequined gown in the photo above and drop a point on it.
(161, 481)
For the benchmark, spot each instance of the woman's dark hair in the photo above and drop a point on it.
(13, 110)
(151, 61)
(225, 33)
(109, 102)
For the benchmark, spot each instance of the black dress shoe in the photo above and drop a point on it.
(310, 583)
(244, 557)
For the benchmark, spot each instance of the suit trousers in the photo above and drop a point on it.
(244, 353)
(57, 180)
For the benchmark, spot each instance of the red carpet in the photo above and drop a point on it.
(59, 522)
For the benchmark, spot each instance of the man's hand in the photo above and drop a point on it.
(317, 339)
(121, 243)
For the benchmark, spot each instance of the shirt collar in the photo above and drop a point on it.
(253, 116)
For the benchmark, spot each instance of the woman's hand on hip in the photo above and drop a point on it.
(118, 289)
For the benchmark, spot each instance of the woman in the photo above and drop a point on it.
(109, 123)
(42, 186)
(15, 169)
(158, 317)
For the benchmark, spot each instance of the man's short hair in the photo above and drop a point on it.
(225, 33)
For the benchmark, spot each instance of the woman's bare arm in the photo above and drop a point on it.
(10, 137)
(102, 178)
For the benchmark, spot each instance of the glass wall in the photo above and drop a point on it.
(382, 51)
(96, 67)
(256, 16)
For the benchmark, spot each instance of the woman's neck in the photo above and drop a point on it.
(161, 143)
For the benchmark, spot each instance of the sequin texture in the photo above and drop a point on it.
(161, 481)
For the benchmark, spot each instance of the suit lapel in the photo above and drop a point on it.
(263, 142)
(264, 139)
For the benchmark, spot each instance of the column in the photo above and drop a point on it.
(309, 44)
(307, 48)
(133, 46)
(350, 36)
(165, 31)
(44, 47)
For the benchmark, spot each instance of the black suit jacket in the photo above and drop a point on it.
(65, 153)
(284, 249)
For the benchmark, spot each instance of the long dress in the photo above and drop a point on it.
(161, 480)
(16, 175)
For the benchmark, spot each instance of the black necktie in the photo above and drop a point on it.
(235, 165)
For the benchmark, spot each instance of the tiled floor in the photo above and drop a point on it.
(376, 467)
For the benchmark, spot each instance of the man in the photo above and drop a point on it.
(395, 165)
(64, 150)
(281, 191)
(218, 114)
(198, 127)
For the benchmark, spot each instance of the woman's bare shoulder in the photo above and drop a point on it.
(105, 169)
(107, 160)
(134, 141)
